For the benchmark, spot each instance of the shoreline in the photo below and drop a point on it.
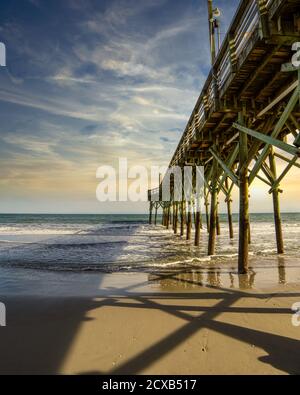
(265, 273)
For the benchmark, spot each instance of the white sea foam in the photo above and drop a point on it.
(37, 230)
(127, 246)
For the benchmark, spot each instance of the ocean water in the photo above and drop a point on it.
(111, 243)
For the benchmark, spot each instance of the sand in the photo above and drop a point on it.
(155, 324)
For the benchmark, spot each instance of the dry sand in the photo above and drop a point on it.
(156, 324)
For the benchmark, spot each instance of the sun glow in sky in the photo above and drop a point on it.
(90, 81)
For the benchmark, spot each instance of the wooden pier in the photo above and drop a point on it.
(248, 107)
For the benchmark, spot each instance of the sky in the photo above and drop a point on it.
(90, 81)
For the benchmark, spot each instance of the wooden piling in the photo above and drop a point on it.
(276, 205)
(168, 216)
(218, 220)
(182, 218)
(200, 220)
(155, 219)
(229, 211)
(249, 233)
(150, 213)
(194, 212)
(163, 221)
(189, 222)
(213, 211)
(176, 218)
(197, 226)
(206, 210)
(244, 203)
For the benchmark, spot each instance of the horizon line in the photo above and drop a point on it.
(146, 213)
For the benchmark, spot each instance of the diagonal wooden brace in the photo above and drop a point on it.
(269, 140)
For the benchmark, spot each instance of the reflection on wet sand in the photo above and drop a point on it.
(281, 270)
(226, 277)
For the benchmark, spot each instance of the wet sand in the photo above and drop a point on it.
(200, 321)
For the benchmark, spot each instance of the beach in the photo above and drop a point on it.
(133, 325)
(177, 316)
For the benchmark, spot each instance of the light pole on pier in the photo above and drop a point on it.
(211, 30)
(213, 14)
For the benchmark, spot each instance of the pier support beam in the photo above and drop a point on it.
(206, 210)
(197, 225)
(244, 203)
(165, 216)
(168, 216)
(176, 218)
(249, 230)
(182, 218)
(213, 210)
(229, 211)
(155, 219)
(277, 216)
(189, 222)
(218, 220)
(150, 213)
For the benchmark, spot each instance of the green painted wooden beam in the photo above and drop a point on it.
(286, 159)
(284, 116)
(267, 171)
(297, 141)
(230, 162)
(222, 188)
(284, 173)
(262, 179)
(268, 140)
(224, 167)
